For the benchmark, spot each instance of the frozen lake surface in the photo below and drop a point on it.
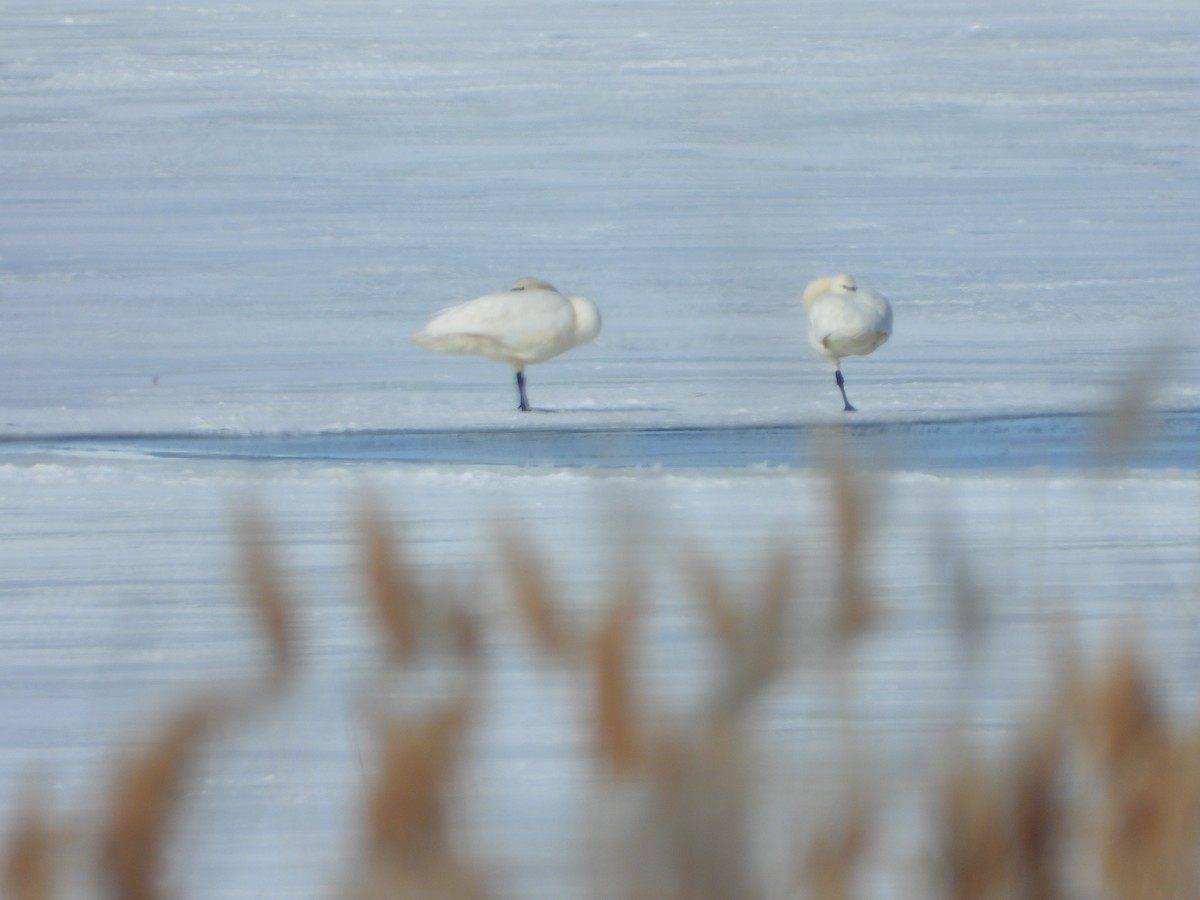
(222, 221)
(231, 216)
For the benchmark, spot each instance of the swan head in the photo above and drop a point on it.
(533, 284)
(830, 284)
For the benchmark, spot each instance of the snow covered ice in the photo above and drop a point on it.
(231, 215)
(226, 219)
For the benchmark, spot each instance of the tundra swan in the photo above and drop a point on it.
(845, 320)
(530, 323)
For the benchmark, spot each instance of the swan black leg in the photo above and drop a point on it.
(841, 383)
(524, 405)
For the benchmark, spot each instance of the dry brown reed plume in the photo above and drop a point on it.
(835, 853)
(976, 844)
(408, 844)
(408, 850)
(855, 609)
(27, 871)
(150, 781)
(146, 791)
(674, 798)
(390, 585)
(749, 625)
(144, 802)
(268, 597)
(1038, 812)
(1149, 770)
(534, 594)
(1001, 822)
(617, 730)
(411, 618)
(1099, 797)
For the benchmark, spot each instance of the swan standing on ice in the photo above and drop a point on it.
(528, 324)
(845, 320)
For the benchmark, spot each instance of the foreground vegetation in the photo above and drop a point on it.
(1094, 794)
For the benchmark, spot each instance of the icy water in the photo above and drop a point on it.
(1072, 442)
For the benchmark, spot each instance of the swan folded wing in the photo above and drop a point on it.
(516, 327)
(458, 342)
(542, 326)
(844, 326)
(832, 315)
(483, 315)
(858, 343)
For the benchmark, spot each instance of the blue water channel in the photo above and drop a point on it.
(1169, 440)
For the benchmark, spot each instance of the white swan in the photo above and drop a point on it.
(845, 320)
(528, 324)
